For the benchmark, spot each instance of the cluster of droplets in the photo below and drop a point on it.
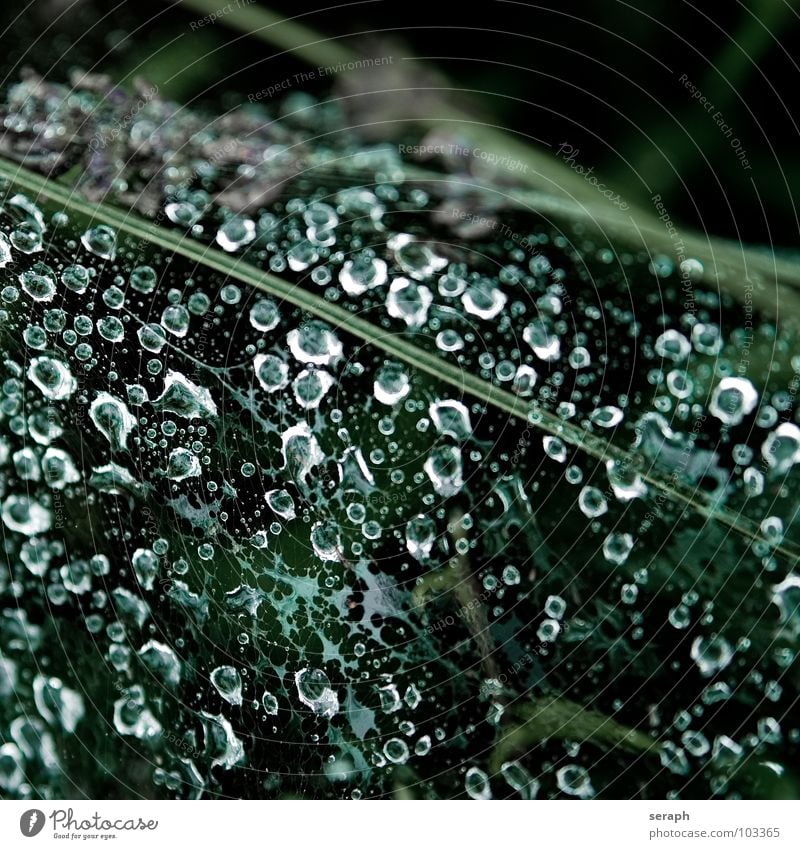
(239, 415)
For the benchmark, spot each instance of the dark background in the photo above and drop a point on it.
(603, 77)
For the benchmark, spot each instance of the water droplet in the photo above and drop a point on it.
(672, 345)
(574, 781)
(281, 503)
(23, 515)
(484, 299)
(57, 704)
(545, 344)
(313, 342)
(396, 750)
(5, 250)
(476, 783)
(451, 418)
(111, 328)
(152, 337)
(392, 384)
(310, 387)
(184, 398)
(182, 464)
(76, 278)
(592, 502)
(606, 417)
(733, 399)
(175, 320)
(781, 449)
(420, 536)
(444, 469)
(39, 282)
(408, 301)
(143, 279)
(301, 451)
(361, 273)
(711, 654)
(264, 315)
(145, 567)
(617, 547)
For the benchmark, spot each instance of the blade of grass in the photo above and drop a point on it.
(287, 34)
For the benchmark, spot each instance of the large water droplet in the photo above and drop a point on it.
(182, 464)
(23, 515)
(184, 398)
(443, 467)
(235, 233)
(781, 449)
(451, 418)
(392, 384)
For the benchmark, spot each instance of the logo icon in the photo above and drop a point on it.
(31, 822)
